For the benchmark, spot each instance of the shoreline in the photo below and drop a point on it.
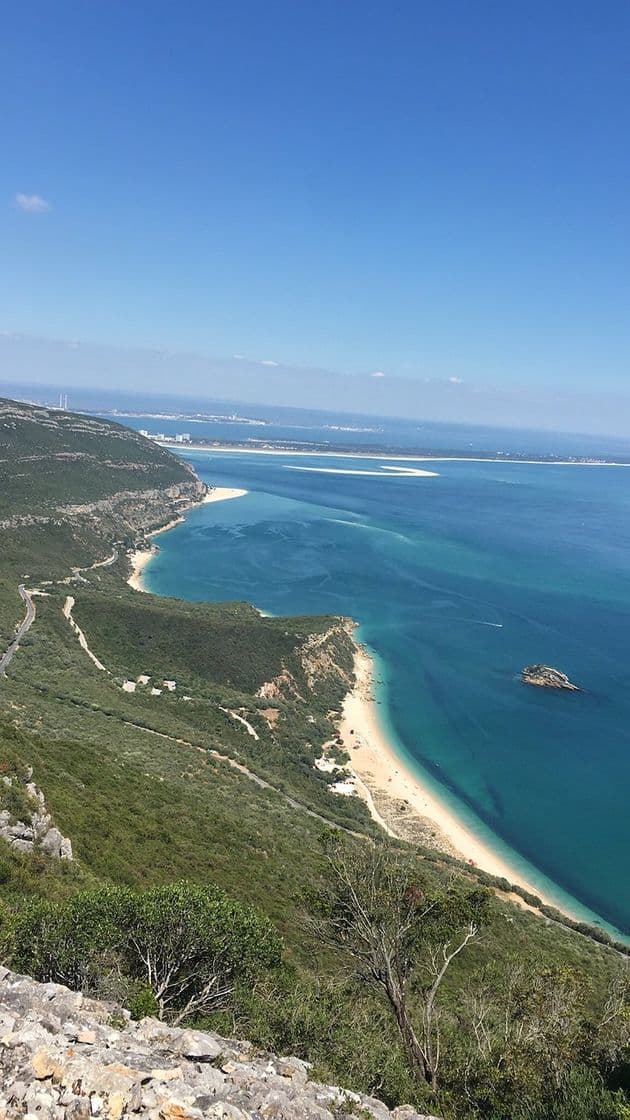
(140, 558)
(323, 453)
(409, 809)
(398, 799)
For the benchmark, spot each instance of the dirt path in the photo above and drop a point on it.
(67, 613)
(241, 719)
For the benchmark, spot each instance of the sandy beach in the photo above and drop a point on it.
(141, 557)
(222, 493)
(407, 808)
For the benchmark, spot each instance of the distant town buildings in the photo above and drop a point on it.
(162, 437)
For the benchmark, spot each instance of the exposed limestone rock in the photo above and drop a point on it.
(38, 829)
(318, 655)
(133, 511)
(66, 1057)
(139, 511)
(282, 687)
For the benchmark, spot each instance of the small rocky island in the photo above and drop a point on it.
(543, 676)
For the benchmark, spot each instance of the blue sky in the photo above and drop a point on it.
(433, 191)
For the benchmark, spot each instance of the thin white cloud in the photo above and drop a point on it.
(239, 357)
(455, 380)
(31, 203)
(377, 373)
(268, 362)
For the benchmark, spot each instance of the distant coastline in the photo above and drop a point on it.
(184, 448)
(242, 427)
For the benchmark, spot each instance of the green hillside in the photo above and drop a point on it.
(214, 782)
(71, 486)
(53, 459)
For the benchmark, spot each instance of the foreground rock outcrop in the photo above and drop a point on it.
(66, 1057)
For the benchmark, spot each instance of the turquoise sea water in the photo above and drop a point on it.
(457, 583)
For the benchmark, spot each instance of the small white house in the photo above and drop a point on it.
(346, 788)
(326, 765)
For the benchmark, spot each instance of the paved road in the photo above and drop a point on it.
(23, 628)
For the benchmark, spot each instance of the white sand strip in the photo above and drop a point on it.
(222, 493)
(323, 454)
(394, 472)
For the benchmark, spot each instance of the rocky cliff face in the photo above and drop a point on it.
(139, 511)
(65, 1057)
(59, 467)
(324, 657)
(132, 511)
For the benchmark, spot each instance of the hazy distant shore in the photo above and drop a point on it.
(387, 456)
(140, 558)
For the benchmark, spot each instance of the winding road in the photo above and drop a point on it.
(29, 618)
(22, 629)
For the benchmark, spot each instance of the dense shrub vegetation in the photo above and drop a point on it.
(176, 951)
(390, 1010)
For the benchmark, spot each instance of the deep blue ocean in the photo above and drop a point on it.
(458, 582)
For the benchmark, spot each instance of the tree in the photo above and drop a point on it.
(401, 936)
(66, 942)
(189, 945)
(539, 1035)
